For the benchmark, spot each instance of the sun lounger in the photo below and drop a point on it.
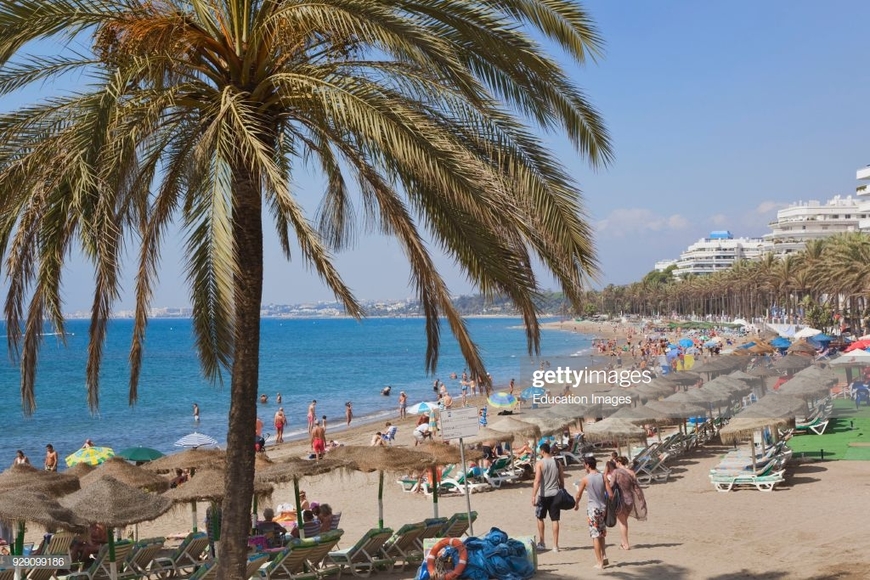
(403, 546)
(654, 470)
(457, 525)
(7, 574)
(101, 567)
(141, 558)
(184, 558)
(726, 483)
(817, 426)
(432, 527)
(208, 570)
(291, 562)
(58, 545)
(363, 557)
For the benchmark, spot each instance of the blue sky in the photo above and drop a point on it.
(720, 112)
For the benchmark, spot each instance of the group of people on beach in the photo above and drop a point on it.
(617, 481)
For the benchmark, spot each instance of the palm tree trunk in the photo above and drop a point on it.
(239, 479)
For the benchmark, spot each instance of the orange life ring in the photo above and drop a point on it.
(460, 564)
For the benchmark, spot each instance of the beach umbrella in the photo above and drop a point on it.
(654, 389)
(80, 470)
(792, 362)
(780, 405)
(515, 426)
(818, 373)
(762, 349)
(637, 415)
(114, 504)
(189, 459)
(532, 392)
(804, 389)
(807, 332)
(128, 474)
(764, 371)
(207, 485)
(573, 411)
(741, 376)
(425, 407)
(30, 505)
(140, 454)
(802, 347)
(746, 423)
(686, 342)
(381, 459)
(676, 410)
(485, 434)
(196, 440)
(90, 455)
(293, 470)
(614, 429)
(735, 386)
(548, 425)
(28, 477)
(856, 358)
(446, 454)
(780, 342)
(502, 400)
(683, 378)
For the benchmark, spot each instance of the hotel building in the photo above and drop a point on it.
(717, 252)
(804, 221)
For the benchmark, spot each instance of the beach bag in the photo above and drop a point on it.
(564, 500)
(614, 502)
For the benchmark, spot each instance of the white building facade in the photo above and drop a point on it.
(717, 252)
(863, 193)
(804, 221)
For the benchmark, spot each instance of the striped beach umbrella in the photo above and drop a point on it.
(196, 440)
(531, 392)
(90, 455)
(424, 407)
(502, 400)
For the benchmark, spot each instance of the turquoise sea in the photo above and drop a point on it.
(331, 360)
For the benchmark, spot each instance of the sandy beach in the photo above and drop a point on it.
(810, 527)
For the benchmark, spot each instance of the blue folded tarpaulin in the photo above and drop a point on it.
(493, 556)
(780, 342)
(747, 345)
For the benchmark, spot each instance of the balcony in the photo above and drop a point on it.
(863, 173)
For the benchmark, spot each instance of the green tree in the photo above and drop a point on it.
(199, 112)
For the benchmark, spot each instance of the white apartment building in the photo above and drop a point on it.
(863, 193)
(719, 251)
(804, 221)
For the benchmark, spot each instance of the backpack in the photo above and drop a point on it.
(614, 502)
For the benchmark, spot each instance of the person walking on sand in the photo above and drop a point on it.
(633, 501)
(318, 441)
(348, 412)
(280, 422)
(50, 458)
(596, 508)
(312, 415)
(549, 479)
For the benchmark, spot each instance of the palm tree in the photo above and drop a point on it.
(200, 111)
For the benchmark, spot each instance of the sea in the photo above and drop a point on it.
(332, 360)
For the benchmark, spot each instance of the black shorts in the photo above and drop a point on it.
(546, 507)
(487, 452)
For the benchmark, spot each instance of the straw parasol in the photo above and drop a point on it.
(683, 378)
(445, 454)
(381, 459)
(763, 372)
(780, 405)
(654, 389)
(126, 473)
(189, 459)
(28, 505)
(573, 411)
(208, 485)
(614, 429)
(637, 415)
(50, 482)
(114, 504)
(676, 410)
(742, 376)
(792, 362)
(730, 384)
(80, 470)
(515, 426)
(485, 434)
(804, 388)
(549, 425)
(746, 423)
(817, 373)
(293, 470)
(802, 347)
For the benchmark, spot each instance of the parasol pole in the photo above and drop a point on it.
(19, 540)
(254, 513)
(113, 566)
(433, 471)
(381, 499)
(193, 515)
(467, 492)
(299, 524)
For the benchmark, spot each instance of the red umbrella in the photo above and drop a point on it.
(858, 344)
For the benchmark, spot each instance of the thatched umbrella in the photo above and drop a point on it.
(549, 425)
(746, 423)
(126, 473)
(574, 411)
(51, 483)
(293, 470)
(780, 405)
(189, 459)
(637, 415)
(802, 347)
(654, 389)
(763, 372)
(614, 429)
(114, 504)
(28, 505)
(207, 485)
(683, 378)
(675, 409)
(818, 373)
(381, 459)
(741, 376)
(446, 454)
(80, 470)
(792, 362)
(485, 434)
(515, 426)
(804, 389)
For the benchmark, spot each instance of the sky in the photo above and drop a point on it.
(720, 113)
